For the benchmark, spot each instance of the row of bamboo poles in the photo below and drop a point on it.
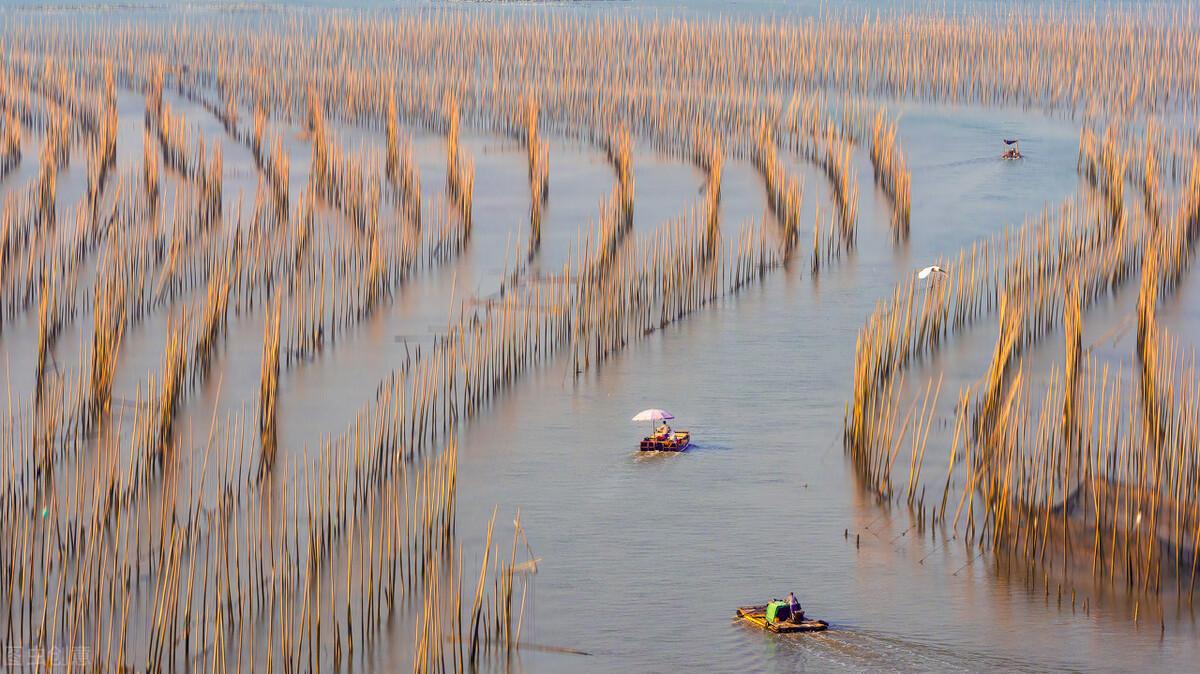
(209, 570)
(1126, 62)
(435, 98)
(1089, 480)
(223, 569)
(10, 142)
(146, 265)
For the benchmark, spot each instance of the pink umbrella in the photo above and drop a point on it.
(653, 415)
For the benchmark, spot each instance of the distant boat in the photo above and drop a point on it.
(1014, 149)
(757, 616)
(662, 439)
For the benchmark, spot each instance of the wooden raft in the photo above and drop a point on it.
(757, 616)
(683, 440)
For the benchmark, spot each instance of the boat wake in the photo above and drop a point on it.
(845, 648)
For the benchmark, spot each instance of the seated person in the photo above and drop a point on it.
(663, 432)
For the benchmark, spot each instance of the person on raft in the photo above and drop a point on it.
(796, 611)
(663, 432)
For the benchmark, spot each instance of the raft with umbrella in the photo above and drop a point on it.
(1014, 149)
(659, 441)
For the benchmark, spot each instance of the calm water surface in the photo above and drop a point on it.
(644, 559)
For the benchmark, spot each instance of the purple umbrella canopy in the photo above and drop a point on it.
(653, 415)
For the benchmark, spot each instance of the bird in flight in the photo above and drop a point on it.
(933, 269)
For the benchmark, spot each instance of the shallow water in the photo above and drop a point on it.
(645, 558)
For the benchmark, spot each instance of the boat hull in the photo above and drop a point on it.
(683, 440)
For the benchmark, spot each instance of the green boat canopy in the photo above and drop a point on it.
(773, 610)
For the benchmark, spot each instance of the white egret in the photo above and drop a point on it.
(933, 269)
